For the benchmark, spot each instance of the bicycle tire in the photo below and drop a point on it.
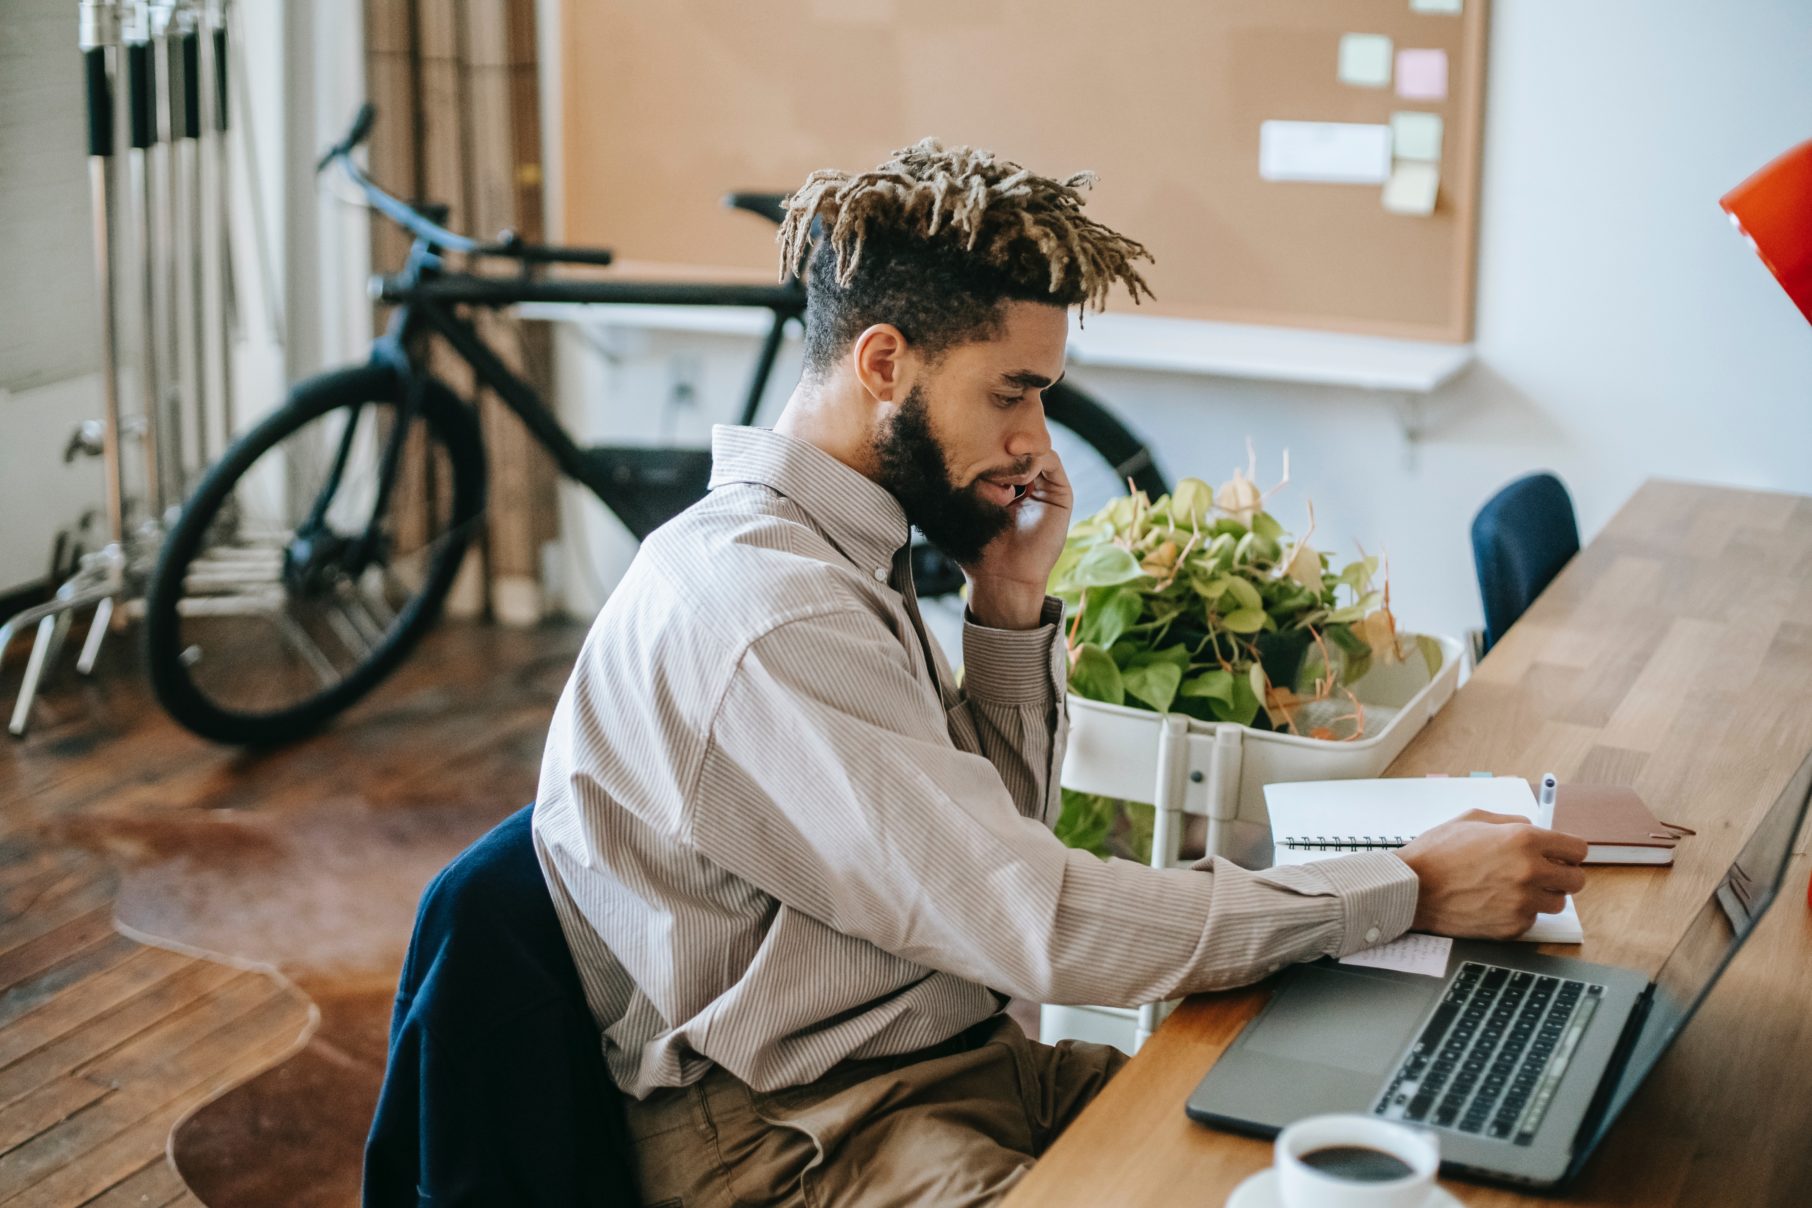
(1102, 430)
(447, 422)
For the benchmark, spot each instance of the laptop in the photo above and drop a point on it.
(1520, 1062)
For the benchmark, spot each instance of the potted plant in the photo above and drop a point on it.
(1200, 602)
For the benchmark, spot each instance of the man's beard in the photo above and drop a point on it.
(912, 466)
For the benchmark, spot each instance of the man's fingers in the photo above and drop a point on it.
(1561, 878)
(1549, 902)
(1488, 816)
(1558, 845)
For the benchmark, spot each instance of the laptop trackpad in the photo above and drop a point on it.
(1353, 1021)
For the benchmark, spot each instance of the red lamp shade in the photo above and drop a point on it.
(1773, 209)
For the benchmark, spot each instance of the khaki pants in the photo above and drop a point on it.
(955, 1124)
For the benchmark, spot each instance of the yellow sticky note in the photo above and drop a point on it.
(1365, 60)
(1416, 135)
(1412, 188)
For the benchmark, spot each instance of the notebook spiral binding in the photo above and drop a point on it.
(1342, 842)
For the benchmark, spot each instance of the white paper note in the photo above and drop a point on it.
(1365, 60)
(1330, 152)
(1411, 952)
(1416, 135)
(1412, 188)
(1562, 928)
(1435, 6)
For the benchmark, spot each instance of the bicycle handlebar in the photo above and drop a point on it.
(509, 245)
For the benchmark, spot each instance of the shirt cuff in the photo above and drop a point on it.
(1377, 895)
(1013, 666)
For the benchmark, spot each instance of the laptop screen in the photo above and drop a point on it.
(1714, 936)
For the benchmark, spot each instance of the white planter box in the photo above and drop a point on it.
(1218, 771)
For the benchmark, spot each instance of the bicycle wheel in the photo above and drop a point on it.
(313, 556)
(1099, 455)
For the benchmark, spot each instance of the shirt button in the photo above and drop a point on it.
(880, 574)
(1371, 935)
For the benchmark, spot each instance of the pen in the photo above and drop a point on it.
(1550, 785)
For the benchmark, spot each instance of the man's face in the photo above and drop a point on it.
(969, 435)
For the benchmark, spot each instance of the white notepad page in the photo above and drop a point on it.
(1329, 818)
(1346, 813)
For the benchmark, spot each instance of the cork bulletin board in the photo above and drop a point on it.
(667, 106)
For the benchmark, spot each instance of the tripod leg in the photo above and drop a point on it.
(34, 670)
(97, 633)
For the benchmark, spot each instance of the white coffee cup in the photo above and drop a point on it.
(1304, 1185)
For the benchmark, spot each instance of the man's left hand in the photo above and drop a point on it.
(1007, 584)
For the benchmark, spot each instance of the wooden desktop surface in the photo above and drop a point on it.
(1674, 654)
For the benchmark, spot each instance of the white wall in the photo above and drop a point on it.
(1624, 330)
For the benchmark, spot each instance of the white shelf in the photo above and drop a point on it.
(1277, 354)
(1165, 345)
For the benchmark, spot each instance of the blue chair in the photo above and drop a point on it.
(496, 1090)
(1520, 540)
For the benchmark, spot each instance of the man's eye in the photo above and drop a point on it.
(1006, 400)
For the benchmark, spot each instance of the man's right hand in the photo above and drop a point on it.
(1487, 876)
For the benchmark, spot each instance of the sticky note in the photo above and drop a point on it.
(1422, 75)
(1412, 187)
(1365, 60)
(1412, 952)
(1350, 153)
(1416, 135)
(1435, 6)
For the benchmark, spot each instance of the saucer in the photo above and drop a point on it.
(1260, 1191)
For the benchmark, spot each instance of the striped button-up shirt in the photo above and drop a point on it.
(778, 833)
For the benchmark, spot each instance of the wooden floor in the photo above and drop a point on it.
(106, 1043)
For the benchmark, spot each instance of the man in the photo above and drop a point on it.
(800, 868)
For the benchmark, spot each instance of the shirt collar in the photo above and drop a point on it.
(859, 515)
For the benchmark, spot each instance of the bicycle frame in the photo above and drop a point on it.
(620, 476)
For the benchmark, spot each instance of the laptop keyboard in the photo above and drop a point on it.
(1490, 1056)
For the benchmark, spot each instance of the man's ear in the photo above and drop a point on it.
(878, 358)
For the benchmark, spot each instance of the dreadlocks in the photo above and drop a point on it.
(935, 239)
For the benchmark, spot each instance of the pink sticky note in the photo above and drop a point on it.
(1422, 75)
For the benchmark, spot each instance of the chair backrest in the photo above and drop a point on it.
(496, 1089)
(1520, 540)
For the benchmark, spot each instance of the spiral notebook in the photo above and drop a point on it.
(1320, 819)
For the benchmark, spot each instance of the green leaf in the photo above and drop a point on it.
(1356, 611)
(1096, 676)
(1244, 593)
(1244, 706)
(1109, 613)
(1106, 566)
(1246, 620)
(1085, 822)
(1267, 527)
(1431, 654)
(1155, 683)
(1191, 502)
(1216, 685)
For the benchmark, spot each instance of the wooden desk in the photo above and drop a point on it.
(1673, 654)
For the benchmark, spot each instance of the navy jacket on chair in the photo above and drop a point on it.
(496, 1092)
(1520, 540)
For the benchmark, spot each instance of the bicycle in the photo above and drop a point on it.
(314, 555)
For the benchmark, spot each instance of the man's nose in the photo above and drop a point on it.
(1030, 437)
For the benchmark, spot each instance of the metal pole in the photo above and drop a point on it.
(100, 39)
(219, 42)
(187, 35)
(141, 85)
(174, 461)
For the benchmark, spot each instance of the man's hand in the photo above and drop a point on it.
(1488, 875)
(1007, 583)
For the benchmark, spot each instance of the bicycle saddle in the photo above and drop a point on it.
(768, 205)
